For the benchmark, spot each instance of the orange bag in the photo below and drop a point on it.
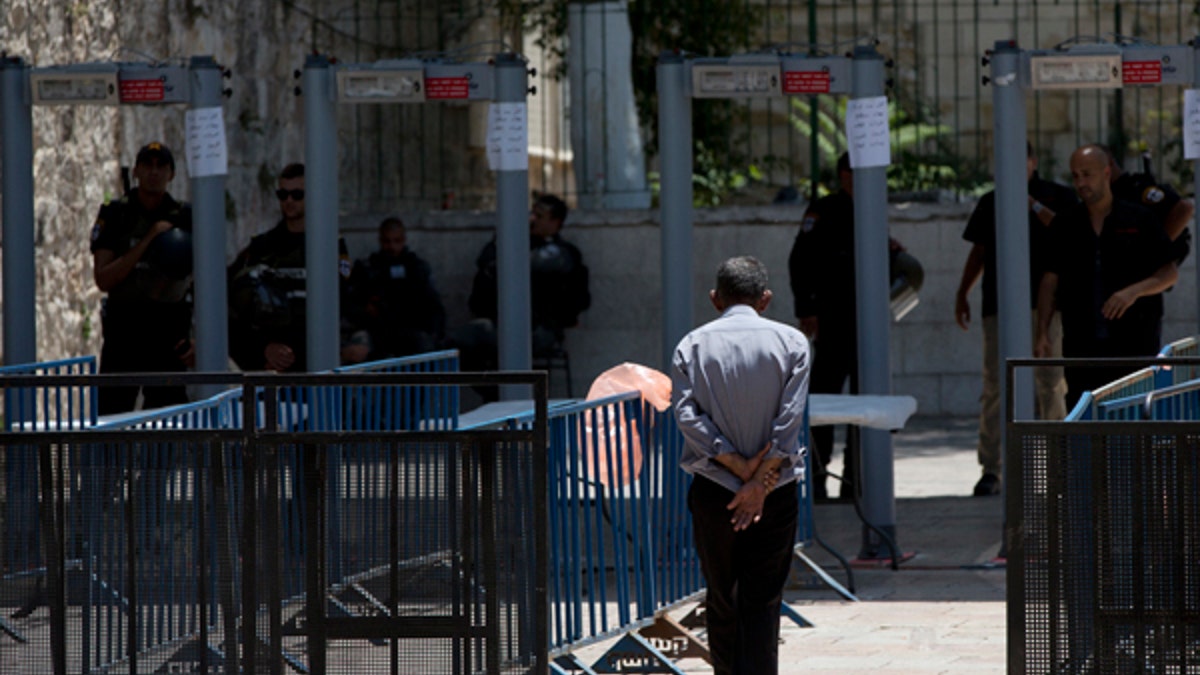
(655, 388)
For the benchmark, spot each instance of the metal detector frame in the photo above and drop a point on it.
(860, 75)
(503, 80)
(199, 86)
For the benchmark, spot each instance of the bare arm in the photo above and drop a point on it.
(1178, 218)
(1043, 213)
(1045, 312)
(1118, 303)
(110, 269)
(972, 270)
(747, 504)
(810, 326)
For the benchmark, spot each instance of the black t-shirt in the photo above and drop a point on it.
(821, 264)
(1159, 198)
(981, 230)
(1142, 189)
(1131, 247)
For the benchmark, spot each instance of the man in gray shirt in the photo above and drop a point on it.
(740, 387)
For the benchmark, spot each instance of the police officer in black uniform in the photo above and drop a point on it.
(1172, 211)
(558, 279)
(141, 255)
(267, 288)
(821, 270)
(1108, 268)
(558, 287)
(1046, 199)
(393, 298)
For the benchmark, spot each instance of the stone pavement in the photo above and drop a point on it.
(943, 611)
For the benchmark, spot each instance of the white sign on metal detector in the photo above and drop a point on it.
(381, 82)
(723, 79)
(1075, 71)
(64, 86)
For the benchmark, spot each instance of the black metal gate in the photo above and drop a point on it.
(1103, 541)
(266, 549)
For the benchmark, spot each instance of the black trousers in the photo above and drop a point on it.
(745, 573)
(1143, 342)
(143, 341)
(835, 360)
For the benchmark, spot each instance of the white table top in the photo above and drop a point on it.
(864, 410)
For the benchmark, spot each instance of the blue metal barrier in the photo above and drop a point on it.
(1122, 398)
(44, 408)
(1177, 402)
(155, 476)
(51, 408)
(220, 411)
(371, 408)
(147, 496)
(621, 546)
(622, 552)
(403, 408)
(1178, 374)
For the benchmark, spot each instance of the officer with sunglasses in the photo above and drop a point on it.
(267, 287)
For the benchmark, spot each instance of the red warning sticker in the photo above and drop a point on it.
(1141, 72)
(141, 91)
(447, 87)
(806, 82)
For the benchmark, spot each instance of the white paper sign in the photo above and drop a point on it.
(206, 151)
(507, 137)
(1191, 124)
(867, 132)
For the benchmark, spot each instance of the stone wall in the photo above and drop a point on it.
(78, 150)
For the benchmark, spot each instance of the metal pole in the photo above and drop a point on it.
(1196, 175)
(814, 158)
(874, 318)
(514, 325)
(1012, 228)
(20, 282)
(321, 213)
(675, 200)
(208, 238)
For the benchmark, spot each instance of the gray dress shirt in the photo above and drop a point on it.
(740, 382)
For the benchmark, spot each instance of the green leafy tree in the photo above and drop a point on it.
(921, 156)
(694, 27)
(914, 167)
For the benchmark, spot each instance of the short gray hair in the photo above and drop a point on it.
(742, 279)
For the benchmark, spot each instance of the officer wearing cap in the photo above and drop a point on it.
(141, 258)
(1172, 211)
